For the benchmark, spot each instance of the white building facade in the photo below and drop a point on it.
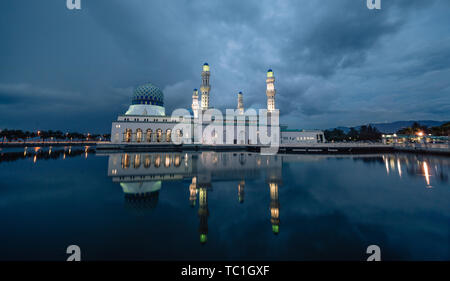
(146, 122)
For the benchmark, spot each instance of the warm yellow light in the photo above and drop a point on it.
(270, 74)
(206, 67)
(426, 173)
(420, 134)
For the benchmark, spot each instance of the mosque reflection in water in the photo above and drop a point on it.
(141, 175)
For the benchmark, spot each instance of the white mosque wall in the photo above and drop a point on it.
(297, 137)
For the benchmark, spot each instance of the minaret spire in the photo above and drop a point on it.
(240, 105)
(270, 91)
(205, 88)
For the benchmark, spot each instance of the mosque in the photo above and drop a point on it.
(145, 123)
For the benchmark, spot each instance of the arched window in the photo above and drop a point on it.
(158, 135)
(168, 135)
(127, 135)
(138, 135)
(148, 135)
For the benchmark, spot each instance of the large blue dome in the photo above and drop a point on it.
(148, 94)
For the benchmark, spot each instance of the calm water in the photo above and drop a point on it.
(222, 206)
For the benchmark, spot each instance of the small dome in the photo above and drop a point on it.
(205, 63)
(270, 70)
(148, 94)
(140, 188)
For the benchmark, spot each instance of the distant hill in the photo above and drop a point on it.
(393, 127)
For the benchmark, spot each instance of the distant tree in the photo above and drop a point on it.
(353, 134)
(443, 130)
(369, 133)
(414, 129)
(335, 135)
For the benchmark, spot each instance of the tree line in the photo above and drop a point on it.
(365, 133)
(443, 130)
(17, 135)
(369, 133)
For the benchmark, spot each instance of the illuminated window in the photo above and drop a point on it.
(138, 135)
(168, 135)
(127, 135)
(158, 135)
(148, 136)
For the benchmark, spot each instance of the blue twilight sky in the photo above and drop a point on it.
(336, 62)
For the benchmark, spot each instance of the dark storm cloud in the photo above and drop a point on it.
(336, 62)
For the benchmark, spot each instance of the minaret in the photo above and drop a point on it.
(205, 88)
(240, 105)
(195, 107)
(270, 91)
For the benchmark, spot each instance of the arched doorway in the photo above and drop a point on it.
(127, 135)
(148, 135)
(138, 135)
(168, 135)
(158, 135)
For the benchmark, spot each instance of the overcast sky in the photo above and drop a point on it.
(336, 63)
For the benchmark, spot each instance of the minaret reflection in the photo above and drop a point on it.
(274, 180)
(203, 212)
(274, 207)
(193, 192)
(241, 187)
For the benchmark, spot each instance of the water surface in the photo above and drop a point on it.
(222, 206)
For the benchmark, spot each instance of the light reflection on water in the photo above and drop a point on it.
(313, 206)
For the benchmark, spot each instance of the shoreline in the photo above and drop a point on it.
(322, 148)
